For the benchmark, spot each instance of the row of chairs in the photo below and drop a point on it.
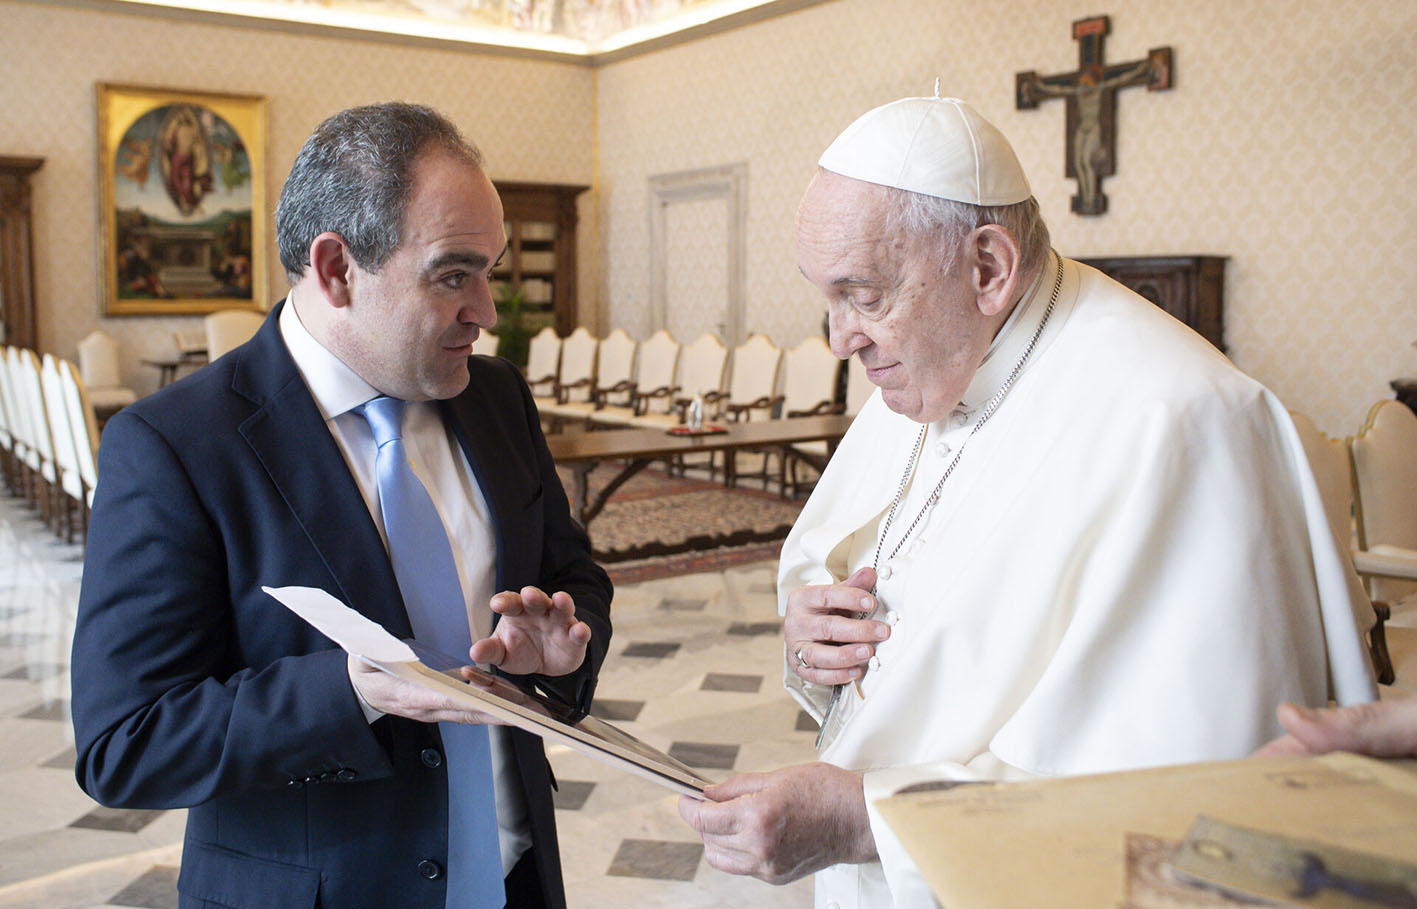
(616, 381)
(1368, 483)
(48, 438)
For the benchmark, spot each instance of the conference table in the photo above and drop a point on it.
(584, 450)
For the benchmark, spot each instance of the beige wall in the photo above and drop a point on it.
(1289, 144)
(532, 120)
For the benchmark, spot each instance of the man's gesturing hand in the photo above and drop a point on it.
(536, 634)
(828, 643)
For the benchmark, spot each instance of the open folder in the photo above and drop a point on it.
(485, 692)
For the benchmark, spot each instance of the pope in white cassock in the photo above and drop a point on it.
(1066, 536)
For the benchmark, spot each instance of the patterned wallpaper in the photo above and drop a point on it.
(1288, 144)
(532, 120)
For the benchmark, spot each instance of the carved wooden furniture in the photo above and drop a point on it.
(1191, 288)
(541, 250)
(16, 251)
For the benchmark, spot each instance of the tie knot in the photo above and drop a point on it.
(385, 416)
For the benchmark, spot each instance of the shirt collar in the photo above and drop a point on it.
(335, 387)
(1009, 344)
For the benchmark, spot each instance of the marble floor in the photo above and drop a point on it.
(693, 669)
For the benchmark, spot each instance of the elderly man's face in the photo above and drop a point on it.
(910, 317)
(411, 324)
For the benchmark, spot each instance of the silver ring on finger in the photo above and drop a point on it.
(801, 660)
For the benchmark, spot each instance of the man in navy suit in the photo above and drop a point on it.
(310, 778)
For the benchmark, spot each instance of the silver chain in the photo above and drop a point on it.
(989, 408)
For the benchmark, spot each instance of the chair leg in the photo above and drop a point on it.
(1377, 645)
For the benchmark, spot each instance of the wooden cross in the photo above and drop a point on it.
(1091, 93)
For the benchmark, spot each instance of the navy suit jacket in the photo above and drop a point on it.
(192, 688)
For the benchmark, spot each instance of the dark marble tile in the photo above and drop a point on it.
(35, 671)
(570, 795)
(682, 605)
(57, 710)
(64, 760)
(657, 860)
(123, 820)
(705, 754)
(605, 709)
(156, 889)
(805, 723)
(650, 649)
(725, 681)
(9, 612)
(752, 629)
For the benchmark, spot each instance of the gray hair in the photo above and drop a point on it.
(949, 222)
(353, 177)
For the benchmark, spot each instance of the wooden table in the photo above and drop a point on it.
(583, 451)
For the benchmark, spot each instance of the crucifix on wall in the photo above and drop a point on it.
(1091, 93)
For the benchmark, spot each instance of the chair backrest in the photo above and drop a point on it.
(486, 343)
(1385, 481)
(756, 363)
(809, 375)
(543, 360)
(20, 430)
(82, 424)
(659, 359)
(858, 385)
(1329, 461)
(616, 360)
(578, 363)
(701, 366)
(7, 406)
(60, 429)
(230, 328)
(98, 360)
(33, 390)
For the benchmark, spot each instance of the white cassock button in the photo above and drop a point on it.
(942, 449)
(885, 573)
(873, 663)
(892, 617)
(958, 419)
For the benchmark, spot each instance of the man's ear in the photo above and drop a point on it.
(995, 269)
(332, 267)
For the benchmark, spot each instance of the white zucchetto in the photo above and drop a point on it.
(938, 147)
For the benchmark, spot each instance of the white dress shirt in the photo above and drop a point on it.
(439, 461)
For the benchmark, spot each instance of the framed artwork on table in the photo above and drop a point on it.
(182, 196)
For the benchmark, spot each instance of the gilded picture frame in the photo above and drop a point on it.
(182, 200)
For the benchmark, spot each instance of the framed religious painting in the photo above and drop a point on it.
(182, 196)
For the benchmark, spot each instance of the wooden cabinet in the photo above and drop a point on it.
(17, 307)
(1191, 288)
(541, 251)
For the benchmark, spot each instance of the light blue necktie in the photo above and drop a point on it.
(428, 579)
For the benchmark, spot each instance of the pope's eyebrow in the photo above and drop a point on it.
(845, 280)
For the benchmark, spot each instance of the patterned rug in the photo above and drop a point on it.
(658, 525)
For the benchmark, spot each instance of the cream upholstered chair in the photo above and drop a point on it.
(653, 388)
(701, 368)
(614, 378)
(84, 430)
(1393, 648)
(7, 434)
(486, 343)
(543, 365)
(752, 394)
(1385, 482)
(18, 402)
(858, 385)
(228, 329)
(41, 455)
(810, 373)
(98, 361)
(68, 490)
(576, 380)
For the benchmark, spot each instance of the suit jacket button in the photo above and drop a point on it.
(346, 776)
(431, 757)
(327, 776)
(295, 784)
(430, 870)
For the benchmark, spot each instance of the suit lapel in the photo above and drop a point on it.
(290, 438)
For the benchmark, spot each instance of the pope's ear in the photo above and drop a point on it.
(331, 266)
(995, 269)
